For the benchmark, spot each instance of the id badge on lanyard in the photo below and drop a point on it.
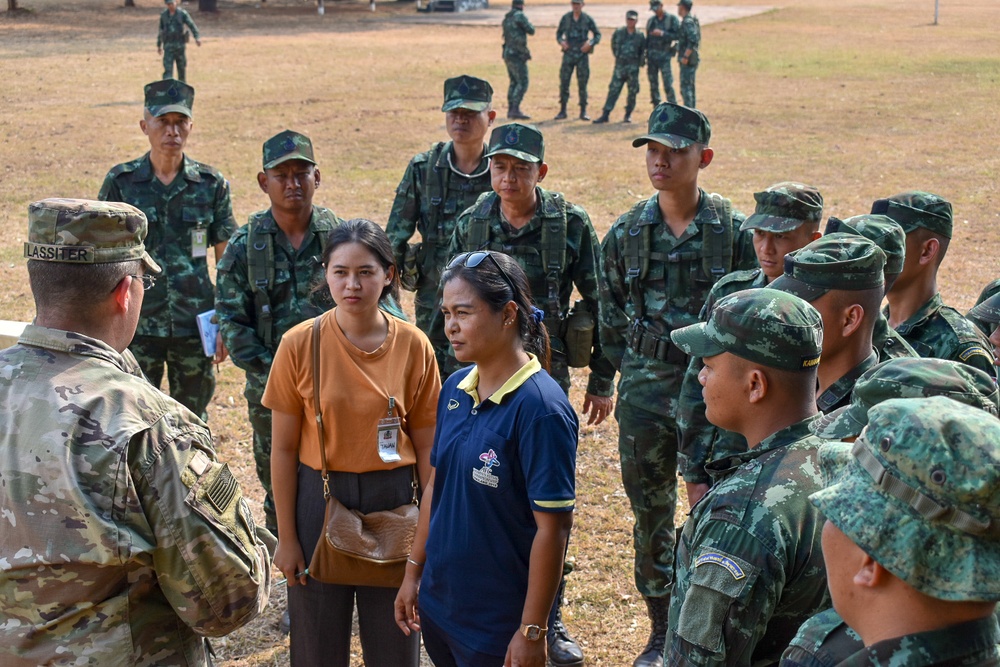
(388, 435)
(199, 242)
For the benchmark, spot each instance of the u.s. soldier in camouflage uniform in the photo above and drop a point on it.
(171, 40)
(629, 48)
(188, 207)
(658, 262)
(574, 37)
(125, 540)
(688, 45)
(662, 30)
(749, 566)
(516, 28)
(924, 593)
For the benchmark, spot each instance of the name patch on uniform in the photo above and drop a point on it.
(809, 362)
(485, 475)
(452, 404)
(723, 561)
(59, 253)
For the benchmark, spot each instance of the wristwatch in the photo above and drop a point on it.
(533, 632)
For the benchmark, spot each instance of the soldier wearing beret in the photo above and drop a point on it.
(575, 40)
(629, 48)
(125, 539)
(187, 204)
(516, 28)
(688, 44)
(662, 30)
(171, 40)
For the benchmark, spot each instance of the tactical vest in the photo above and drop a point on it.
(437, 182)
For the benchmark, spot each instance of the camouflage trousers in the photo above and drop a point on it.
(659, 67)
(260, 422)
(647, 445)
(517, 71)
(190, 374)
(623, 74)
(581, 63)
(687, 85)
(174, 53)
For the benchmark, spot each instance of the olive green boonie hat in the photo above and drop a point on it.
(881, 230)
(169, 96)
(467, 92)
(524, 142)
(909, 378)
(763, 325)
(285, 146)
(784, 207)
(676, 126)
(917, 209)
(80, 231)
(835, 262)
(921, 495)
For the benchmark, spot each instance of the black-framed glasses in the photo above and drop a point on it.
(147, 280)
(474, 259)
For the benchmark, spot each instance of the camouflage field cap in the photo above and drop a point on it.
(169, 96)
(517, 4)
(577, 2)
(524, 142)
(467, 92)
(685, 3)
(988, 311)
(655, 4)
(909, 378)
(81, 231)
(881, 230)
(676, 126)
(917, 209)
(921, 495)
(288, 145)
(835, 262)
(784, 207)
(763, 325)
(631, 15)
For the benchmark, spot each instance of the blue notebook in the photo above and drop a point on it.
(208, 330)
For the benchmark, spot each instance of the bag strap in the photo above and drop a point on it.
(319, 410)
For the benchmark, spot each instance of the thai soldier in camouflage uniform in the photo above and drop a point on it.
(516, 28)
(915, 307)
(629, 47)
(573, 35)
(688, 44)
(437, 186)
(749, 567)
(662, 30)
(988, 312)
(786, 218)
(171, 40)
(188, 207)
(931, 465)
(125, 540)
(658, 262)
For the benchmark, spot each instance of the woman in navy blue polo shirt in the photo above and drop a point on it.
(497, 510)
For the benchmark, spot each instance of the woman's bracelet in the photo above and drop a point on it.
(410, 560)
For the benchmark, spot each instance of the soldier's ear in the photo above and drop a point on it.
(756, 382)
(542, 170)
(706, 157)
(122, 294)
(316, 176)
(492, 116)
(262, 181)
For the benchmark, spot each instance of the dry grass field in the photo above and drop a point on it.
(862, 98)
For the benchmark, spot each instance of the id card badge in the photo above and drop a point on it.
(388, 435)
(199, 242)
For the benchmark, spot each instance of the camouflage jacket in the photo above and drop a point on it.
(971, 644)
(889, 343)
(749, 564)
(838, 394)
(198, 199)
(822, 641)
(661, 48)
(516, 28)
(939, 331)
(172, 28)
(672, 294)
(577, 32)
(689, 37)
(125, 540)
(629, 50)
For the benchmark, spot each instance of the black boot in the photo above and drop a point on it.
(562, 112)
(563, 649)
(628, 116)
(652, 656)
(517, 114)
(603, 119)
(583, 112)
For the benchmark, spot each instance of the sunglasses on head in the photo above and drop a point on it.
(473, 259)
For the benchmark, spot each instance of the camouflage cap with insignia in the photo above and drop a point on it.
(921, 495)
(524, 142)
(763, 325)
(81, 231)
(784, 207)
(987, 310)
(467, 92)
(288, 145)
(676, 126)
(685, 3)
(911, 377)
(835, 262)
(631, 14)
(917, 209)
(169, 96)
(881, 230)
(517, 4)
(655, 4)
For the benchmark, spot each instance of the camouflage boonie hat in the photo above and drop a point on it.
(881, 230)
(909, 378)
(524, 142)
(81, 231)
(631, 14)
(467, 92)
(834, 262)
(676, 126)
(921, 495)
(917, 209)
(988, 311)
(285, 146)
(784, 207)
(763, 325)
(169, 96)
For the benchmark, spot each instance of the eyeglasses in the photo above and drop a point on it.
(474, 259)
(147, 280)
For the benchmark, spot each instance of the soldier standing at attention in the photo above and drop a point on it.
(437, 186)
(662, 30)
(125, 540)
(188, 208)
(658, 262)
(629, 47)
(171, 40)
(516, 28)
(688, 44)
(573, 35)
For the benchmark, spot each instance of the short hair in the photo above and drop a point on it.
(75, 288)
(797, 382)
(923, 234)
(374, 238)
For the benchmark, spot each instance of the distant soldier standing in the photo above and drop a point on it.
(662, 30)
(573, 37)
(687, 51)
(172, 38)
(516, 28)
(629, 47)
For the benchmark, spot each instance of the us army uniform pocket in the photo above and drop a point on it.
(717, 581)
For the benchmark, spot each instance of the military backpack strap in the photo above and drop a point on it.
(478, 234)
(717, 249)
(554, 258)
(260, 272)
(637, 255)
(436, 188)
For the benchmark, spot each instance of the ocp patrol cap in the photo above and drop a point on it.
(81, 231)
(784, 207)
(881, 230)
(169, 96)
(467, 92)
(288, 145)
(676, 126)
(522, 141)
(835, 262)
(987, 310)
(917, 209)
(765, 326)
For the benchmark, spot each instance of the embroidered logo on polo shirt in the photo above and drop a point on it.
(485, 475)
(452, 404)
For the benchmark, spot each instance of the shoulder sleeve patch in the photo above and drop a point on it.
(722, 560)
(970, 352)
